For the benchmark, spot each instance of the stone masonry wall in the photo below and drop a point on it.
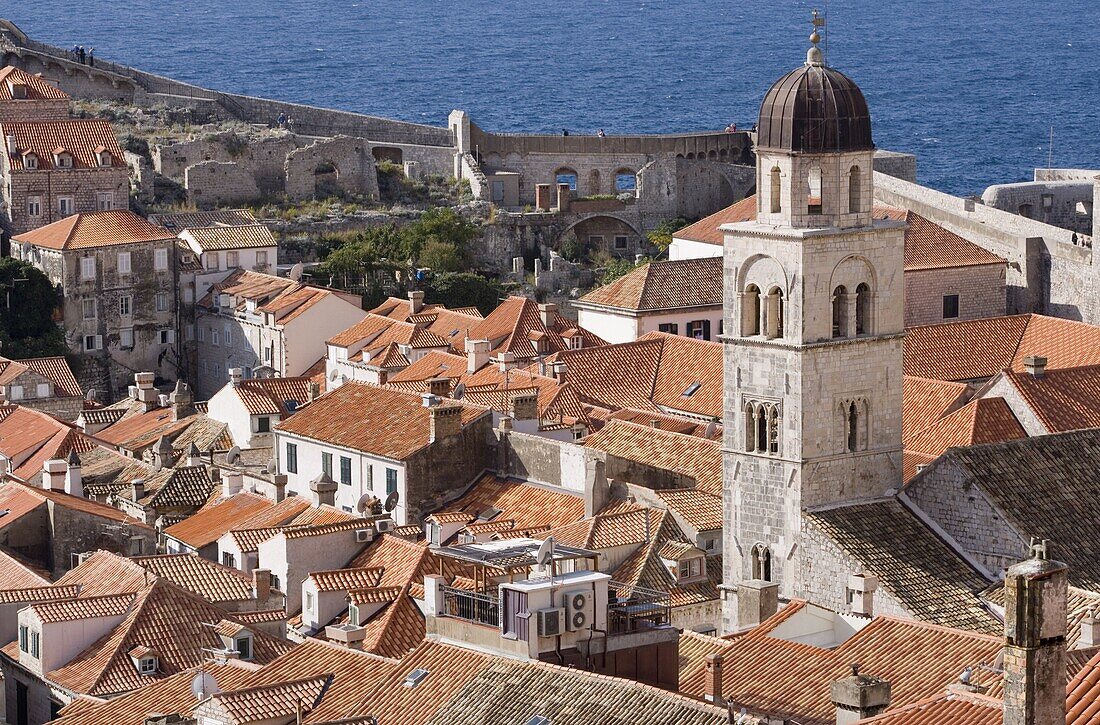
(49, 185)
(219, 183)
(1065, 204)
(981, 292)
(308, 169)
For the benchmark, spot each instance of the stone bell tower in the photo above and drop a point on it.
(813, 329)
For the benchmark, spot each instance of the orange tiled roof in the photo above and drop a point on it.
(210, 580)
(336, 580)
(925, 401)
(700, 509)
(180, 220)
(525, 505)
(208, 525)
(706, 229)
(65, 610)
(79, 136)
(985, 420)
(979, 349)
(947, 707)
(95, 229)
(54, 369)
(517, 323)
(1063, 399)
(691, 456)
(376, 420)
(32, 437)
(244, 236)
(14, 496)
(270, 702)
(38, 88)
(16, 573)
(664, 285)
(269, 396)
(930, 246)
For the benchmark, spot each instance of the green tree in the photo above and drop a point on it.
(571, 248)
(441, 257)
(27, 305)
(617, 268)
(437, 225)
(661, 237)
(463, 289)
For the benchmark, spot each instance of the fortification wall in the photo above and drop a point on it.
(219, 183)
(344, 164)
(1065, 204)
(1089, 175)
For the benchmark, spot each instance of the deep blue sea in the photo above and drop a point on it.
(972, 88)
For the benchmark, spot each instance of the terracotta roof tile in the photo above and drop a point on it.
(230, 237)
(930, 246)
(269, 396)
(178, 221)
(17, 573)
(95, 229)
(1063, 399)
(345, 580)
(38, 88)
(213, 582)
(706, 229)
(968, 709)
(269, 702)
(700, 509)
(925, 401)
(510, 328)
(208, 525)
(664, 285)
(692, 456)
(65, 610)
(78, 136)
(985, 420)
(54, 369)
(524, 505)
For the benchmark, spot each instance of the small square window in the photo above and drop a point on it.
(620, 242)
(65, 205)
(105, 201)
(34, 206)
(950, 307)
(261, 258)
(167, 337)
(263, 424)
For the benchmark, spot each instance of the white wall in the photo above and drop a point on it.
(687, 249)
(306, 334)
(616, 327)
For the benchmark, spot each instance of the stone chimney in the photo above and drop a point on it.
(446, 422)
(194, 457)
(1090, 631)
(1035, 365)
(597, 491)
(525, 405)
(560, 371)
(713, 689)
(859, 696)
(757, 600)
(261, 584)
(549, 313)
(232, 483)
(323, 489)
(182, 401)
(314, 390)
(440, 387)
(477, 354)
(416, 302)
(137, 489)
(53, 474)
(236, 375)
(862, 587)
(506, 361)
(163, 456)
(1035, 640)
(144, 391)
(278, 483)
(74, 485)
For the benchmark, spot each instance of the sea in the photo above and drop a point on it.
(977, 90)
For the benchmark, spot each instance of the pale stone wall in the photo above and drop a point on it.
(352, 159)
(34, 110)
(1065, 204)
(895, 163)
(219, 183)
(83, 186)
(981, 291)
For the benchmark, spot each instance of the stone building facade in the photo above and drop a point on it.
(53, 169)
(27, 97)
(954, 294)
(813, 331)
(118, 276)
(45, 383)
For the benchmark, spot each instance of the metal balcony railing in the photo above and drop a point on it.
(632, 608)
(471, 606)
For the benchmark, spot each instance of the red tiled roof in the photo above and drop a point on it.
(208, 525)
(986, 420)
(79, 136)
(31, 437)
(1063, 400)
(947, 707)
(15, 573)
(706, 229)
(517, 321)
(269, 396)
(925, 401)
(237, 236)
(664, 285)
(691, 456)
(38, 88)
(54, 369)
(95, 229)
(930, 246)
(524, 505)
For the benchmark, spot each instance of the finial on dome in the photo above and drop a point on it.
(814, 55)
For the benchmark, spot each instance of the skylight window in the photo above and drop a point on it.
(539, 720)
(415, 677)
(691, 389)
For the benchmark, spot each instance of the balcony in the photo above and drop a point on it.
(633, 608)
(471, 606)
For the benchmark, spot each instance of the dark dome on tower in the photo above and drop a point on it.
(814, 109)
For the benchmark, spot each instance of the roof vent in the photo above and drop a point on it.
(539, 720)
(691, 389)
(415, 677)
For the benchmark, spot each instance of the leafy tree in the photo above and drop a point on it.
(441, 257)
(571, 248)
(27, 305)
(661, 236)
(437, 225)
(463, 289)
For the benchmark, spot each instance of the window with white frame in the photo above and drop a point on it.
(232, 259)
(210, 260)
(160, 259)
(215, 338)
(15, 392)
(126, 337)
(34, 206)
(228, 335)
(35, 641)
(124, 263)
(105, 200)
(148, 665)
(87, 267)
(63, 160)
(65, 205)
(125, 305)
(200, 333)
(162, 301)
(30, 161)
(167, 337)
(89, 307)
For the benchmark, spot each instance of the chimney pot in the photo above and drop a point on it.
(446, 422)
(261, 584)
(477, 355)
(549, 314)
(236, 375)
(440, 387)
(506, 361)
(137, 488)
(53, 474)
(757, 600)
(416, 302)
(1035, 365)
(857, 697)
(713, 691)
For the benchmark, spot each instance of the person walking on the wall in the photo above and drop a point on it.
(282, 120)
(82, 54)
(601, 134)
(91, 57)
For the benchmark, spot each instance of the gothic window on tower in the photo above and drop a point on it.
(761, 562)
(750, 311)
(840, 312)
(855, 425)
(762, 427)
(854, 184)
(813, 198)
(774, 313)
(775, 186)
(863, 309)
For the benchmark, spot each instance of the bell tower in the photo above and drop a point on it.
(813, 329)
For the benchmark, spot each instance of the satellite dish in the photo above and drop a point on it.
(366, 503)
(90, 396)
(459, 391)
(272, 466)
(233, 456)
(204, 685)
(296, 272)
(391, 501)
(546, 552)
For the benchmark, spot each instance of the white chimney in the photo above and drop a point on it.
(12, 148)
(137, 488)
(1090, 631)
(861, 591)
(477, 354)
(506, 361)
(560, 369)
(1035, 365)
(53, 474)
(232, 484)
(416, 302)
(235, 376)
(549, 313)
(74, 485)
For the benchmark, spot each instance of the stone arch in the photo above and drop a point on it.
(567, 175)
(691, 156)
(326, 179)
(815, 199)
(764, 271)
(855, 189)
(626, 180)
(761, 562)
(606, 230)
(712, 155)
(851, 271)
(750, 310)
(388, 153)
(775, 189)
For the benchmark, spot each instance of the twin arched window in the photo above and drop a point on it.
(762, 312)
(762, 427)
(761, 562)
(842, 324)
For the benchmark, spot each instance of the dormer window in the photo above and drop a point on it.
(147, 665)
(576, 342)
(692, 568)
(18, 91)
(144, 659)
(30, 160)
(62, 159)
(103, 156)
(244, 646)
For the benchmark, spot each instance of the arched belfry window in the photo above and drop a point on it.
(774, 310)
(840, 312)
(855, 184)
(762, 427)
(761, 562)
(775, 186)
(750, 311)
(863, 309)
(856, 425)
(814, 203)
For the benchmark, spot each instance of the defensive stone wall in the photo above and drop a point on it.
(1063, 203)
(219, 183)
(339, 164)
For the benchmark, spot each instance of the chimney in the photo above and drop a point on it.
(597, 491)
(506, 361)
(261, 584)
(137, 488)
(73, 482)
(53, 474)
(440, 387)
(757, 600)
(560, 370)
(713, 691)
(446, 422)
(163, 455)
(477, 354)
(1035, 365)
(13, 148)
(862, 587)
(1090, 631)
(314, 390)
(194, 458)
(236, 375)
(859, 696)
(549, 314)
(278, 482)
(181, 400)
(144, 390)
(525, 406)
(1035, 640)
(323, 489)
(416, 302)
(232, 483)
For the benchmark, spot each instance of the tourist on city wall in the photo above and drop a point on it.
(91, 57)
(565, 132)
(82, 55)
(281, 120)
(601, 134)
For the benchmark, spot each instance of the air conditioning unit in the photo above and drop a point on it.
(578, 609)
(362, 536)
(383, 525)
(550, 622)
